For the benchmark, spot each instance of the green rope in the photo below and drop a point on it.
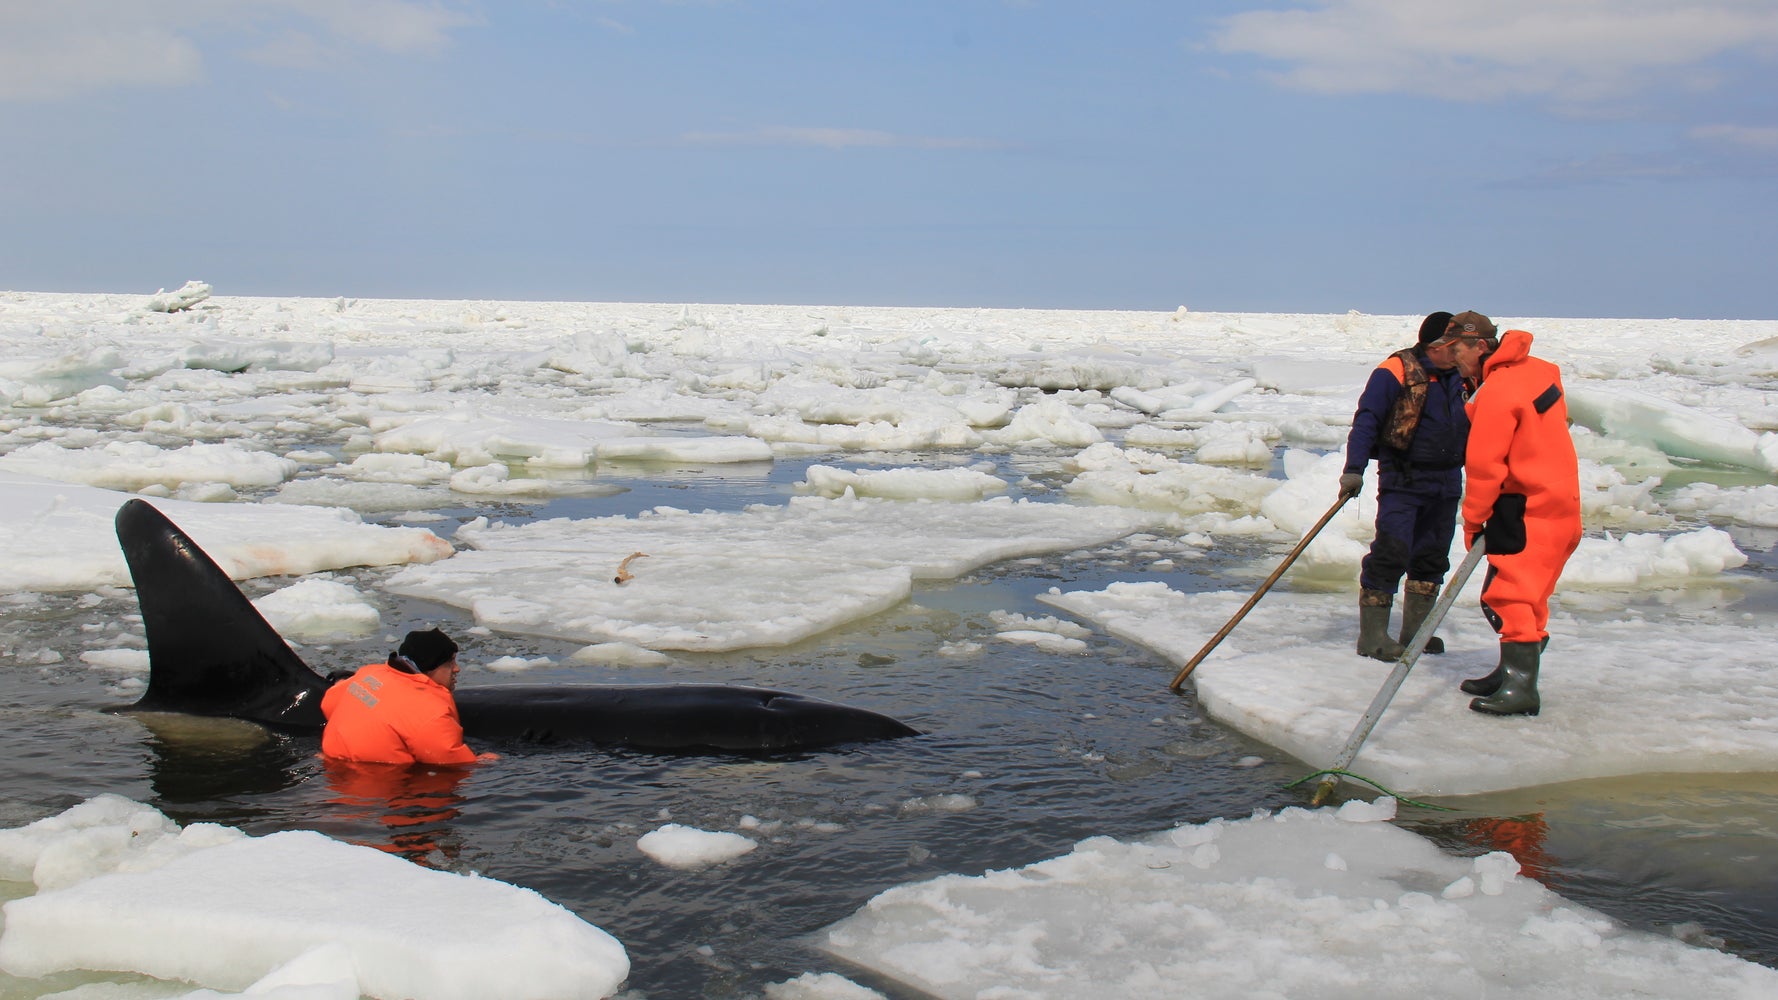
(1359, 777)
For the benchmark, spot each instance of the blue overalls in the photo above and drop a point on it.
(1419, 489)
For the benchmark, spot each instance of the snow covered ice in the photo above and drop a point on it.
(292, 915)
(1330, 903)
(298, 438)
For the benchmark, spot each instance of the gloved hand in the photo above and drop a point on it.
(1471, 532)
(1350, 484)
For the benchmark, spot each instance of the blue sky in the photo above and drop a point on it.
(1522, 157)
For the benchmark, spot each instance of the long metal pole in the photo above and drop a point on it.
(1185, 672)
(1403, 664)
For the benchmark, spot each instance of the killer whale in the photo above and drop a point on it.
(210, 652)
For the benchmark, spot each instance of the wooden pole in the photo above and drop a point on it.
(1179, 680)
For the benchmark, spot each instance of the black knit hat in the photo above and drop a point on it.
(426, 650)
(1433, 327)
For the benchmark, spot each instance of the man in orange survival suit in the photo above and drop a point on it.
(400, 712)
(1522, 495)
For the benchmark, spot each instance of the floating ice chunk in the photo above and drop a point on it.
(1463, 888)
(1047, 421)
(1429, 742)
(1236, 444)
(317, 610)
(1172, 397)
(946, 803)
(899, 404)
(127, 661)
(262, 356)
(387, 467)
(728, 580)
(691, 450)
(474, 436)
(1049, 642)
(1319, 377)
(619, 654)
(685, 847)
(904, 484)
(1111, 475)
(1636, 559)
(1009, 620)
(106, 833)
(59, 536)
(1751, 505)
(592, 353)
(326, 972)
(1297, 904)
(133, 465)
(1678, 430)
(41, 381)
(226, 911)
(187, 295)
(1607, 496)
(1214, 400)
(365, 497)
(820, 986)
(1359, 811)
(1104, 371)
(1495, 871)
(514, 664)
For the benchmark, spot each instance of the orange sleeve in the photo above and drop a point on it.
(1492, 422)
(438, 738)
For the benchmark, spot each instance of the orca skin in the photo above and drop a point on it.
(211, 653)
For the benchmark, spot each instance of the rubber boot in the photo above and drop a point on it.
(1373, 625)
(1416, 603)
(1517, 694)
(1485, 686)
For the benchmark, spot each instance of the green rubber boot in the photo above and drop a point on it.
(1373, 626)
(1417, 600)
(1517, 694)
(1485, 686)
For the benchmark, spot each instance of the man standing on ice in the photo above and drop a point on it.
(1411, 419)
(1523, 498)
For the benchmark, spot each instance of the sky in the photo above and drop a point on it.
(1587, 158)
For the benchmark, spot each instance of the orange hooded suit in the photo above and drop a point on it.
(1523, 482)
(388, 716)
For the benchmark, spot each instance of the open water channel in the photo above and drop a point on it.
(1025, 753)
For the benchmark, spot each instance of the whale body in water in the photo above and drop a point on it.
(210, 652)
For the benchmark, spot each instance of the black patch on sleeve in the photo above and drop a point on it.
(1547, 400)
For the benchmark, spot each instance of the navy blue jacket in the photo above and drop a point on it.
(1433, 461)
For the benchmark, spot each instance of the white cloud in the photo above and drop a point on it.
(53, 50)
(834, 138)
(62, 48)
(399, 26)
(1743, 136)
(1568, 51)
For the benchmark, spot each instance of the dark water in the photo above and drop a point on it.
(1026, 753)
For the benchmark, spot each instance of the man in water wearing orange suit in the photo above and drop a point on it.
(399, 712)
(1522, 494)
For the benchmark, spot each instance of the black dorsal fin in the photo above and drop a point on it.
(209, 650)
